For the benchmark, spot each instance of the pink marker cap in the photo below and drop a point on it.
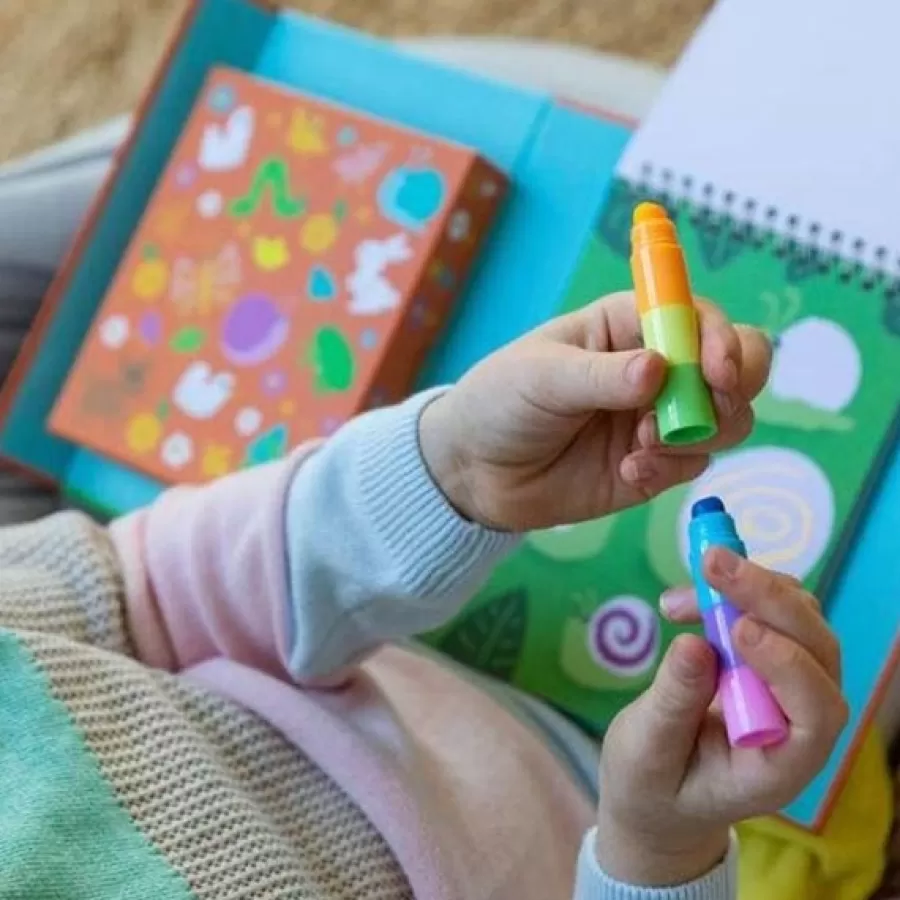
(752, 717)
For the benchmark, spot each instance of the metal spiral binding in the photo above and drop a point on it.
(789, 237)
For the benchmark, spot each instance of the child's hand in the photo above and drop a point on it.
(670, 785)
(558, 427)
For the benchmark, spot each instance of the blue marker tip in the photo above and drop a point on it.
(707, 505)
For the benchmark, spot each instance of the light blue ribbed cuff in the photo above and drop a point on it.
(433, 547)
(592, 883)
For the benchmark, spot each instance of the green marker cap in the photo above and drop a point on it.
(684, 409)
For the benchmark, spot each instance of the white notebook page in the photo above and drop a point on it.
(793, 104)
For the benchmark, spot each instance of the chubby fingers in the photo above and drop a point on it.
(651, 473)
(735, 358)
(777, 601)
(809, 695)
(722, 344)
(771, 599)
(668, 715)
(785, 639)
(721, 353)
(568, 381)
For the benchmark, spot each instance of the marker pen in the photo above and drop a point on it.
(669, 325)
(752, 716)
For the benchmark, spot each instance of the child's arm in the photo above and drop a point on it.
(302, 567)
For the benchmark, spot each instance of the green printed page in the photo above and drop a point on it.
(572, 615)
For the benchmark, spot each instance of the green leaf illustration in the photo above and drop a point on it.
(187, 340)
(489, 639)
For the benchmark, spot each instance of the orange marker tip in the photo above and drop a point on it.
(647, 212)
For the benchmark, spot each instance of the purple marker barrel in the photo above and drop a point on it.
(752, 717)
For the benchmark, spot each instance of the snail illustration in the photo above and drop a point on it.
(816, 368)
(614, 647)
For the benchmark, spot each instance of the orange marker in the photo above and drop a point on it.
(670, 326)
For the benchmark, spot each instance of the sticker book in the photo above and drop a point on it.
(209, 316)
(292, 268)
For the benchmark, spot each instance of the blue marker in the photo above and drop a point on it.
(752, 717)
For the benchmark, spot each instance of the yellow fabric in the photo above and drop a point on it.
(845, 862)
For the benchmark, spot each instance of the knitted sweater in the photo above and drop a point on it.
(203, 701)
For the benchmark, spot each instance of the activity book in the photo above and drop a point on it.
(292, 223)
(306, 223)
(290, 270)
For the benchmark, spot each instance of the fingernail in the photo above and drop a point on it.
(751, 632)
(638, 469)
(724, 563)
(674, 601)
(636, 369)
(688, 664)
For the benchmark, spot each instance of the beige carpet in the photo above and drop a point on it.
(66, 64)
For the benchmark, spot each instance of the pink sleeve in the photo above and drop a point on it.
(206, 573)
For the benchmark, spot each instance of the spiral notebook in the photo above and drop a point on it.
(774, 147)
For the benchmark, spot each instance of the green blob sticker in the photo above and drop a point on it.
(187, 340)
(333, 361)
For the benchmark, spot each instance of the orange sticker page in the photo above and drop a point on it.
(257, 304)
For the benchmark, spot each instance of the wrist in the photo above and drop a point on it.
(444, 459)
(684, 854)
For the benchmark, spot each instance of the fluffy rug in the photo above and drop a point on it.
(69, 65)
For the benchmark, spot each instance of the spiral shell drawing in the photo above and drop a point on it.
(782, 503)
(615, 648)
(623, 636)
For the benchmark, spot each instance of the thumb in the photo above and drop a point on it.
(573, 380)
(672, 711)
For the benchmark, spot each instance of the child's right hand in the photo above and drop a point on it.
(670, 784)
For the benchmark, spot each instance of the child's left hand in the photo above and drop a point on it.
(558, 426)
(670, 784)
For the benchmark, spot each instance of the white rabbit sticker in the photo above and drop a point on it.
(200, 393)
(371, 293)
(226, 147)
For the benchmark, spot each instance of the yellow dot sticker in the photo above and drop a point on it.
(143, 432)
